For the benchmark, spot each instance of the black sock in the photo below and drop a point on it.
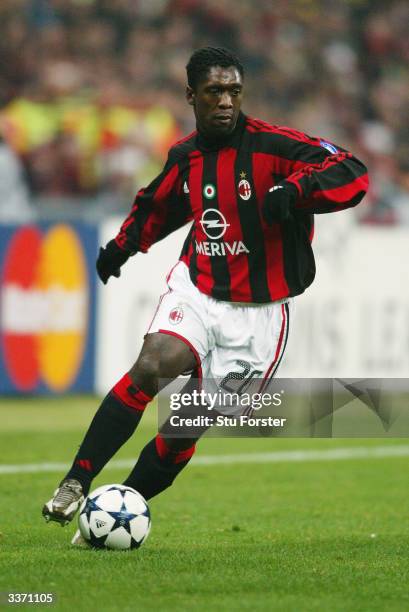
(157, 467)
(113, 424)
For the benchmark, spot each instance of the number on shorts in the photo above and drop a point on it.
(246, 376)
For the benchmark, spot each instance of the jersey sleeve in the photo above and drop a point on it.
(157, 210)
(327, 177)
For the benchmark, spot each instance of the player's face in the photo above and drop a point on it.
(217, 100)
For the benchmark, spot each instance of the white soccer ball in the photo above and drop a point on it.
(116, 517)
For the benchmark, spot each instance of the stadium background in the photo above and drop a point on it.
(92, 95)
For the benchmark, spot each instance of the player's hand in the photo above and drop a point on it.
(279, 203)
(110, 260)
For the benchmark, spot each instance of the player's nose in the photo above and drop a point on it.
(225, 101)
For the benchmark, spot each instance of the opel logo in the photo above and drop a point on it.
(214, 223)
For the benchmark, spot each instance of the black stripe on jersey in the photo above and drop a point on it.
(296, 150)
(326, 178)
(250, 222)
(288, 148)
(178, 211)
(219, 265)
(185, 251)
(190, 239)
(299, 263)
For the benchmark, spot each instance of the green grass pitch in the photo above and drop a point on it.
(290, 536)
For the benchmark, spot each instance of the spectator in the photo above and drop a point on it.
(88, 86)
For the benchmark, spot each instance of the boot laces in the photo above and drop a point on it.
(68, 492)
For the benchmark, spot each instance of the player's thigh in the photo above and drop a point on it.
(181, 315)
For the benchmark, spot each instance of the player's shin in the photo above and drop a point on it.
(113, 424)
(158, 465)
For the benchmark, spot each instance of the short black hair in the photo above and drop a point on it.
(203, 59)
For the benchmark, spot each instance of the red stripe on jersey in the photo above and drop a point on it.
(346, 192)
(186, 256)
(273, 242)
(156, 219)
(204, 280)
(189, 253)
(121, 238)
(240, 289)
(257, 125)
(280, 165)
(329, 162)
(311, 234)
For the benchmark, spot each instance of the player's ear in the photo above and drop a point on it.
(190, 96)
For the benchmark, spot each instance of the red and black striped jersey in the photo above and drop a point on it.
(231, 252)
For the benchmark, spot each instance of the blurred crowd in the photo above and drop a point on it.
(92, 91)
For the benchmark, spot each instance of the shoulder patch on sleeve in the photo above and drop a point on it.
(330, 147)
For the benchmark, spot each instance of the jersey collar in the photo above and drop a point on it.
(207, 144)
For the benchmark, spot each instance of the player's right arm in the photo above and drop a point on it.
(157, 210)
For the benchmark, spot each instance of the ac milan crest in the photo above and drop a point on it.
(244, 189)
(176, 315)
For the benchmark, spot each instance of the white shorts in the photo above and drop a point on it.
(230, 341)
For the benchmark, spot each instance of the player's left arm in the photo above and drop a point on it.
(321, 178)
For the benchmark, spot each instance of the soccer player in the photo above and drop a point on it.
(251, 190)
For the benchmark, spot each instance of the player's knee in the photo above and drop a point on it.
(162, 357)
(146, 371)
(151, 367)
